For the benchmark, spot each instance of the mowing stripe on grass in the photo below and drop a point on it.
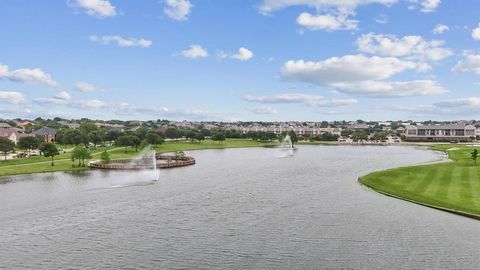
(421, 186)
(443, 185)
(466, 187)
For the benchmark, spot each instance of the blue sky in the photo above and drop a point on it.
(240, 60)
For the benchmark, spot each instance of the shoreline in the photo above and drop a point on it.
(443, 159)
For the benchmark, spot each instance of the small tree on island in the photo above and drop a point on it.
(105, 157)
(6, 146)
(81, 154)
(475, 156)
(49, 150)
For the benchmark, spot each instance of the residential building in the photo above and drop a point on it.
(48, 134)
(441, 133)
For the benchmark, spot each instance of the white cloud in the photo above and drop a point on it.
(243, 54)
(331, 15)
(122, 42)
(476, 33)
(27, 75)
(98, 8)
(63, 96)
(262, 110)
(327, 22)
(195, 51)
(349, 68)
(392, 89)
(382, 19)
(93, 104)
(87, 87)
(440, 29)
(178, 9)
(309, 100)
(269, 6)
(361, 75)
(12, 97)
(471, 64)
(430, 5)
(414, 47)
(460, 102)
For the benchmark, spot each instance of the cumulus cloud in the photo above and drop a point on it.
(440, 29)
(349, 68)
(470, 64)
(328, 22)
(243, 54)
(97, 8)
(392, 89)
(195, 51)
(476, 33)
(87, 87)
(27, 75)
(362, 75)
(430, 5)
(413, 47)
(12, 97)
(177, 9)
(122, 42)
(262, 110)
(309, 100)
(63, 96)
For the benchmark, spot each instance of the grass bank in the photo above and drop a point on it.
(41, 164)
(452, 186)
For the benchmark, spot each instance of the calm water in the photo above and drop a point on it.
(235, 209)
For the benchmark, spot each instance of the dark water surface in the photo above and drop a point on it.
(235, 209)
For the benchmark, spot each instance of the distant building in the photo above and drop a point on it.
(48, 134)
(358, 126)
(441, 133)
(13, 134)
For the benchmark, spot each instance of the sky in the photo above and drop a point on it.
(240, 60)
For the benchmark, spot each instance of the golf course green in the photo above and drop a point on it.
(450, 186)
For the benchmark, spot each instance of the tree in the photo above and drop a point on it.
(6, 146)
(136, 141)
(28, 143)
(475, 155)
(172, 133)
(95, 137)
(105, 157)
(153, 138)
(81, 154)
(199, 137)
(218, 137)
(124, 140)
(49, 150)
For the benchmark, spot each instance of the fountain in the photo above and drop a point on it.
(146, 160)
(287, 147)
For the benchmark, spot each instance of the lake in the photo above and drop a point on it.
(234, 209)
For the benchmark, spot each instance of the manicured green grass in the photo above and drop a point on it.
(63, 163)
(453, 185)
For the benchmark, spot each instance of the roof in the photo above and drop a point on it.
(45, 131)
(5, 125)
(451, 126)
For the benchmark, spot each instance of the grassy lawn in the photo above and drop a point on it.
(40, 164)
(453, 185)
